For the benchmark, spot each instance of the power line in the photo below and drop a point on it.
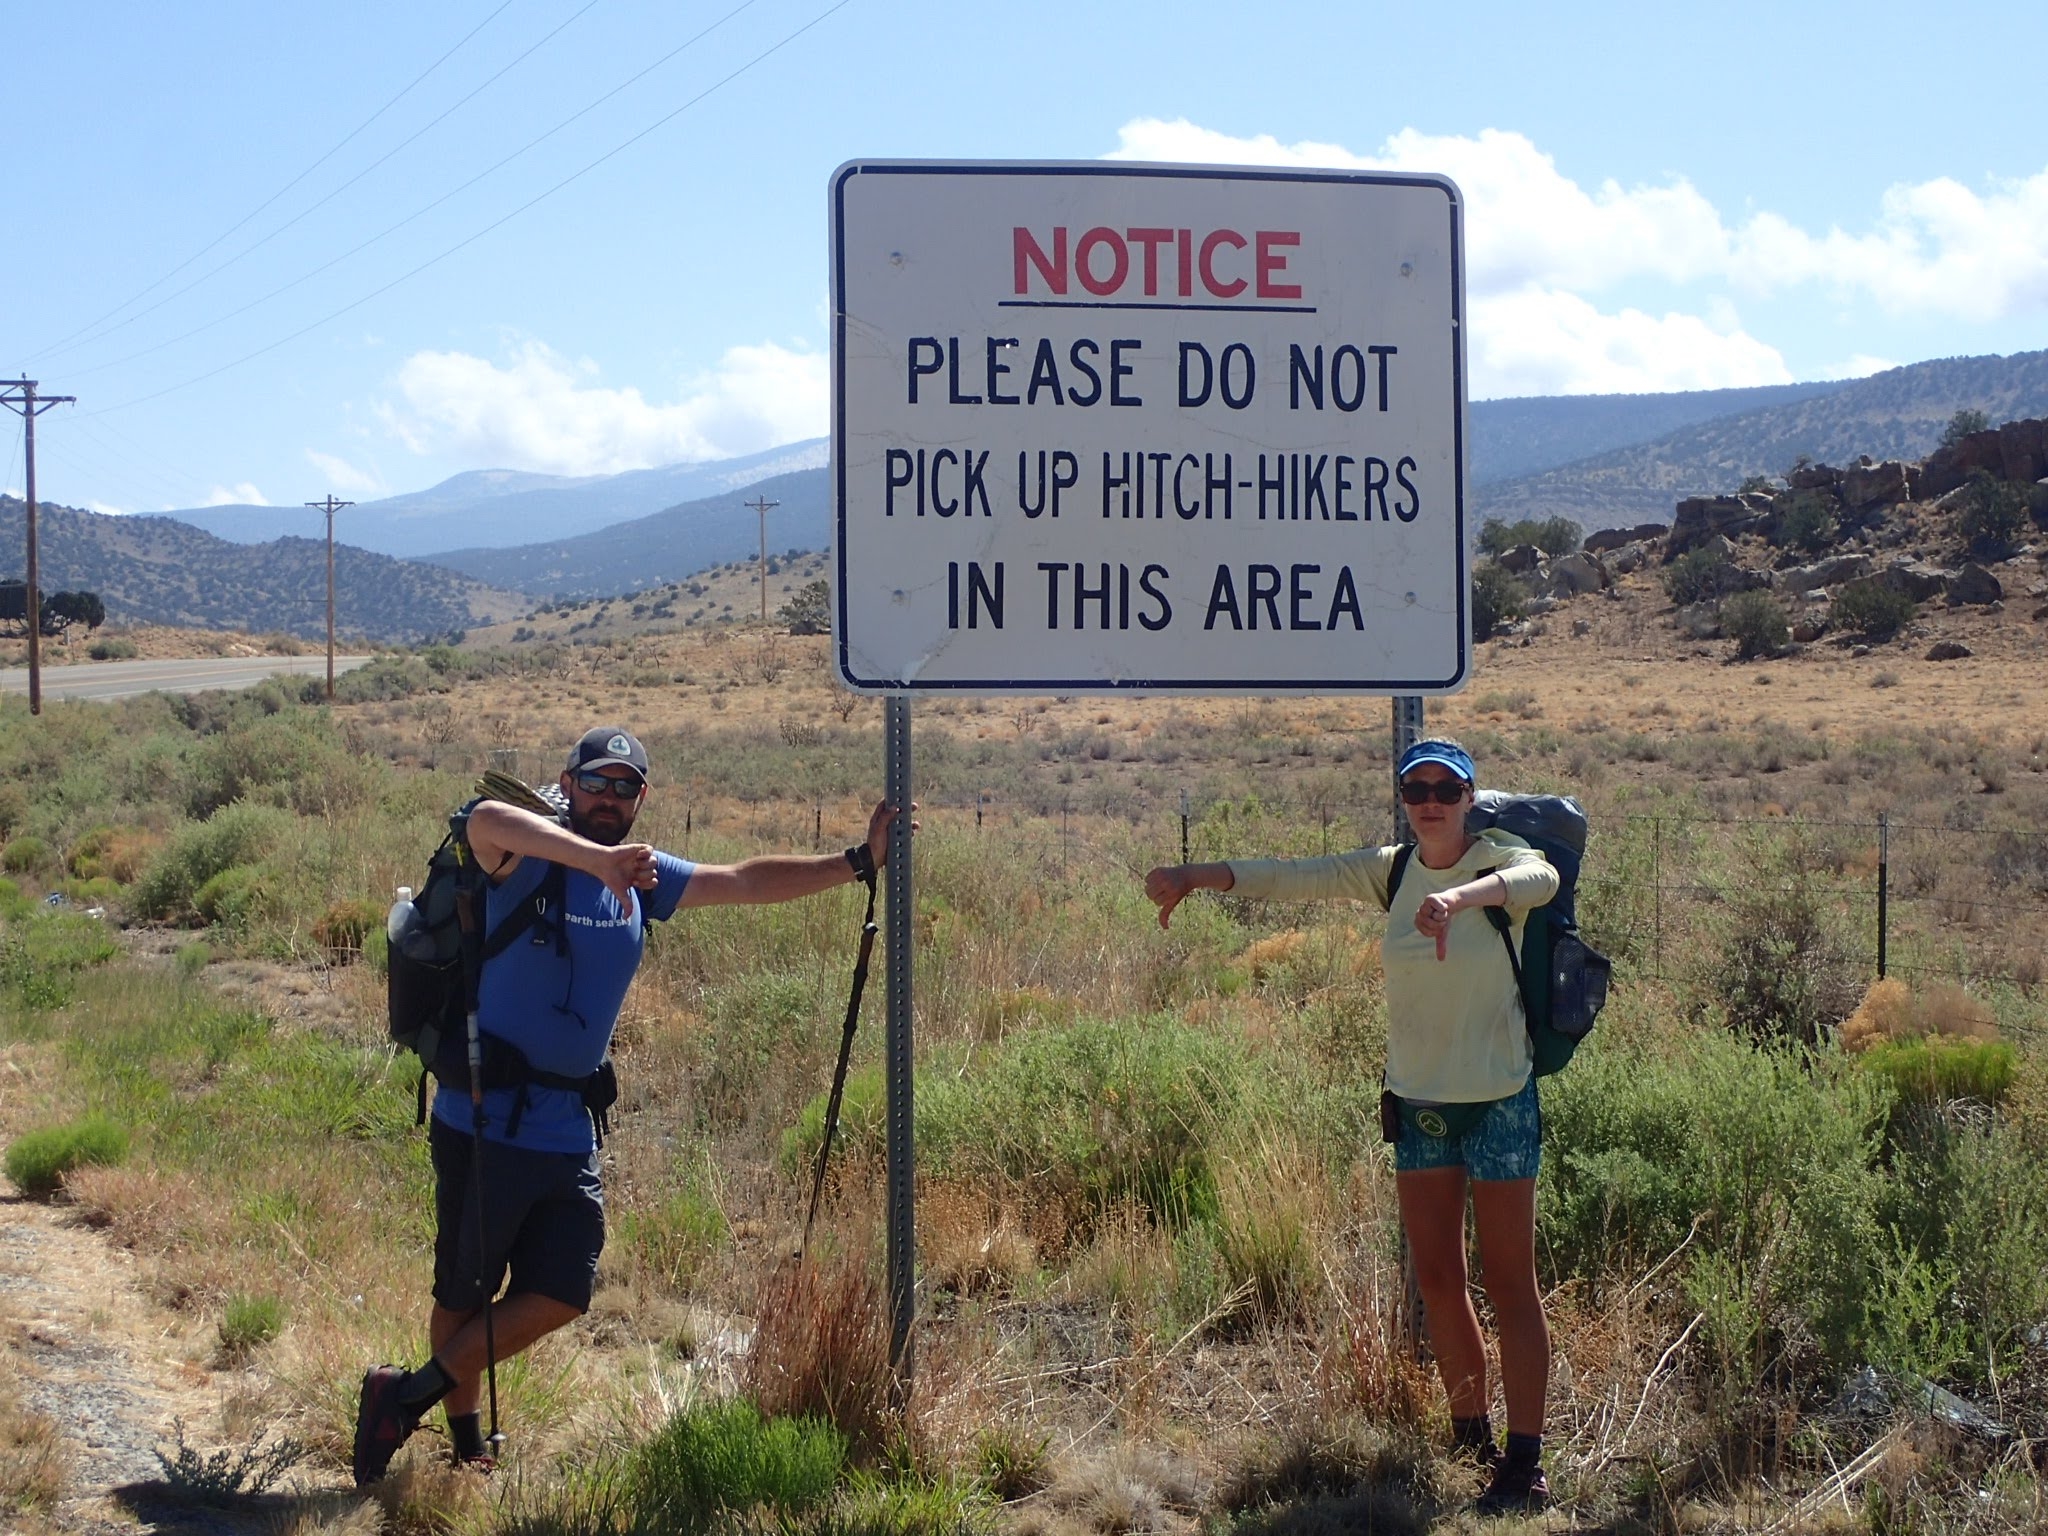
(280, 192)
(463, 244)
(305, 213)
(392, 229)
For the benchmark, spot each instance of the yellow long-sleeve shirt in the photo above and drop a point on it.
(1455, 1032)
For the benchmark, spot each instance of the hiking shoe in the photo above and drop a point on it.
(381, 1425)
(1515, 1491)
(483, 1465)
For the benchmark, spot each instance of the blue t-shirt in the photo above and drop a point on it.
(560, 1009)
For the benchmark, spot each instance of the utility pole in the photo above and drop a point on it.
(20, 395)
(761, 504)
(330, 506)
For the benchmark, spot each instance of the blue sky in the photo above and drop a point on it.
(1657, 198)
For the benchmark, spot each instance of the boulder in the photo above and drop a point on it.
(1604, 539)
(1624, 562)
(2021, 452)
(1700, 518)
(1973, 586)
(1574, 574)
(1949, 650)
(1812, 477)
(1823, 573)
(1522, 559)
(1806, 631)
(1875, 485)
(1917, 579)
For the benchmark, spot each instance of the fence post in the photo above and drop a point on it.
(1657, 897)
(1184, 826)
(1884, 854)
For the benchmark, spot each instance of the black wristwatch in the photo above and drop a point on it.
(861, 859)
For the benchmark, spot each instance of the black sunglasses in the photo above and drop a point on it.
(601, 783)
(1442, 791)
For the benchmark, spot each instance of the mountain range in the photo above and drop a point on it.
(477, 546)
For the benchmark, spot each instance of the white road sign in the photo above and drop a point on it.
(1140, 428)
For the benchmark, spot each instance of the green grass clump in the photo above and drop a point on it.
(1933, 1069)
(246, 1324)
(712, 1463)
(38, 1161)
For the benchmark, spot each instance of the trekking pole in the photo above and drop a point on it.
(860, 981)
(465, 911)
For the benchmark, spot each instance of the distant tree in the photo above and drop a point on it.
(1756, 622)
(809, 609)
(1498, 598)
(1697, 575)
(1994, 516)
(61, 610)
(1555, 536)
(1805, 522)
(1872, 609)
(1962, 424)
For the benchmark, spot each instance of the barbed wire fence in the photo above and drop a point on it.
(1921, 901)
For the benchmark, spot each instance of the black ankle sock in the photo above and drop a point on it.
(1524, 1450)
(1472, 1434)
(466, 1435)
(424, 1388)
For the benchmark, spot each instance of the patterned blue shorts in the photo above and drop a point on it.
(1507, 1143)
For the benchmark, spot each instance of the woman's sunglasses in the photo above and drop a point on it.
(1442, 791)
(604, 783)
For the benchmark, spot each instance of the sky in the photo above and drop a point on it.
(283, 252)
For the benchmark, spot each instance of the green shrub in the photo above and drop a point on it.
(1775, 1156)
(234, 899)
(678, 1233)
(1498, 597)
(1870, 608)
(1756, 622)
(1696, 576)
(1097, 1113)
(346, 925)
(114, 648)
(1994, 516)
(1962, 424)
(38, 1161)
(1777, 969)
(25, 856)
(1806, 522)
(233, 836)
(714, 1464)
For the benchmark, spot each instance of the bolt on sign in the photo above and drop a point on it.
(1104, 428)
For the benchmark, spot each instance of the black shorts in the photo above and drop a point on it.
(543, 1218)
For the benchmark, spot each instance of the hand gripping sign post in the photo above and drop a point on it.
(1119, 428)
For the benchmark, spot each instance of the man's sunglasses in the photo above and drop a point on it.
(1442, 791)
(604, 783)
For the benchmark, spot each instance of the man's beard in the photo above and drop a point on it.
(603, 830)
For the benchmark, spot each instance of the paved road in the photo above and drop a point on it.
(124, 679)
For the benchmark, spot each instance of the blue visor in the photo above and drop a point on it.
(1457, 759)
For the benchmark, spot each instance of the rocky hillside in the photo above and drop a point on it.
(1898, 414)
(1854, 555)
(154, 570)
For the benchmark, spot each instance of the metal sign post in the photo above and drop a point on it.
(900, 1213)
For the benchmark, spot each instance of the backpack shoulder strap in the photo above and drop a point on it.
(542, 909)
(1402, 853)
(1498, 916)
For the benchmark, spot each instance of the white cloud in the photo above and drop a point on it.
(1936, 248)
(344, 476)
(238, 495)
(1542, 341)
(539, 411)
(107, 508)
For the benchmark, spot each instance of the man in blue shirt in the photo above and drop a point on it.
(553, 999)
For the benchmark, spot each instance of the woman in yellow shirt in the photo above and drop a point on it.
(1459, 1060)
